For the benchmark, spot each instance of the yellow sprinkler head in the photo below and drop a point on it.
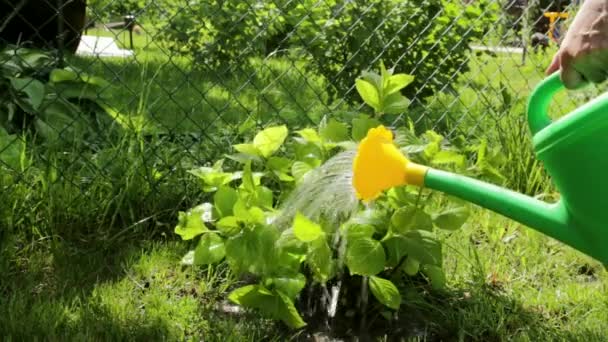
(379, 165)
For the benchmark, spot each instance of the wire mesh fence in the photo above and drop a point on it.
(104, 112)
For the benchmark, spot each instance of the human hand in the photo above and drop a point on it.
(583, 54)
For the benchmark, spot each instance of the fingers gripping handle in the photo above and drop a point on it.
(539, 101)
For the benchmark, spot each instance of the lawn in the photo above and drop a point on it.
(88, 250)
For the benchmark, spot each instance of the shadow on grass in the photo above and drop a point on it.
(128, 292)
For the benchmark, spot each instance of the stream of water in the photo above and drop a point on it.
(325, 193)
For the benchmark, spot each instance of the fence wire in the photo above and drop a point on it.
(188, 79)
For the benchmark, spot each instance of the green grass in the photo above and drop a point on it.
(175, 94)
(88, 250)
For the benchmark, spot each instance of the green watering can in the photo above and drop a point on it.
(574, 150)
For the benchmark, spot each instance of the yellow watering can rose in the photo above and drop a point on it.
(379, 165)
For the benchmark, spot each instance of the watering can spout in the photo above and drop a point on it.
(380, 165)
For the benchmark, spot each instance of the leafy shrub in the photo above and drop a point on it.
(341, 39)
(375, 249)
(428, 38)
(57, 103)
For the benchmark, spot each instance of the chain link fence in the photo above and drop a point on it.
(104, 112)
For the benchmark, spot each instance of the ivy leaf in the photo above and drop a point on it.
(385, 292)
(190, 224)
(334, 131)
(290, 286)
(270, 140)
(209, 250)
(368, 93)
(306, 230)
(365, 257)
(362, 125)
(397, 82)
(452, 218)
(224, 200)
(410, 218)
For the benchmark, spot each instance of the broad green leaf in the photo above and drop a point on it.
(33, 88)
(309, 153)
(362, 125)
(12, 151)
(448, 157)
(280, 167)
(358, 231)
(411, 266)
(253, 251)
(68, 75)
(385, 292)
(249, 183)
(273, 304)
(334, 131)
(209, 250)
(240, 211)
(263, 197)
(373, 78)
(368, 93)
(395, 104)
(290, 286)
(397, 82)
(421, 245)
(212, 178)
(410, 218)
(435, 275)
(309, 135)
(224, 200)
(270, 140)
(228, 225)
(289, 313)
(35, 60)
(320, 260)
(188, 259)
(400, 197)
(190, 224)
(248, 149)
(451, 218)
(306, 230)
(300, 169)
(365, 257)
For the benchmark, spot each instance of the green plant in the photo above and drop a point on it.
(58, 103)
(376, 249)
